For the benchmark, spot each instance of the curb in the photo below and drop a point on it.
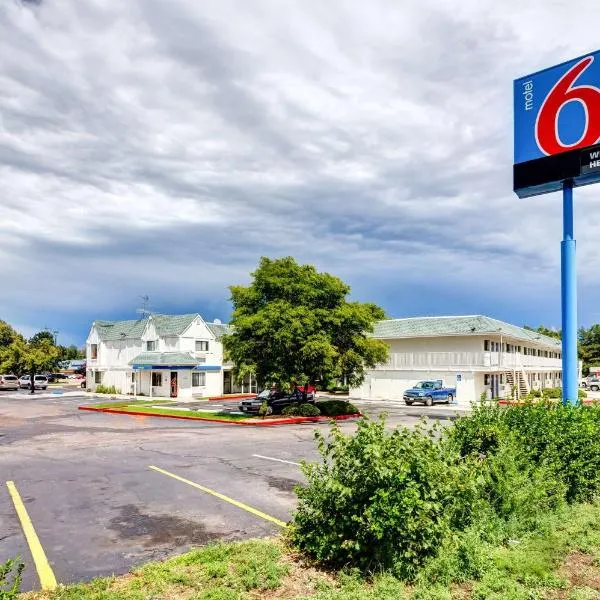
(270, 423)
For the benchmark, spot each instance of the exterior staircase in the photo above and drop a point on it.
(519, 379)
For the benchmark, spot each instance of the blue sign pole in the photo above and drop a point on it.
(570, 365)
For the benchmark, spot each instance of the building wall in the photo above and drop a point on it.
(415, 359)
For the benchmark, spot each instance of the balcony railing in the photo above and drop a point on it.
(458, 360)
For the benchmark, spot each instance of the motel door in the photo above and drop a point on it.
(174, 387)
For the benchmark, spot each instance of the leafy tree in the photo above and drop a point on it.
(554, 333)
(589, 346)
(43, 335)
(293, 324)
(8, 336)
(69, 353)
(32, 357)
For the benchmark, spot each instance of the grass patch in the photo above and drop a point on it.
(561, 561)
(149, 410)
(131, 403)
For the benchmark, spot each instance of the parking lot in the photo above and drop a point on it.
(107, 492)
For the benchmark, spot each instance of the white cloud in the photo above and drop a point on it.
(162, 147)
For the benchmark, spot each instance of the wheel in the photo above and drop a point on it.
(594, 388)
(408, 403)
(428, 401)
(450, 399)
(45, 388)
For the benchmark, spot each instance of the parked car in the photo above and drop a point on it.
(9, 382)
(276, 401)
(40, 382)
(592, 383)
(429, 392)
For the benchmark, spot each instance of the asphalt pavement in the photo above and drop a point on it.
(106, 492)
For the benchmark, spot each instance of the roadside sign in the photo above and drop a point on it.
(557, 147)
(557, 127)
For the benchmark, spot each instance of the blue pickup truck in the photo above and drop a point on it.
(429, 392)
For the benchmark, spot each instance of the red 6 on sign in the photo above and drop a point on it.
(546, 126)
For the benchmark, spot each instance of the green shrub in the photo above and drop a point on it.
(10, 578)
(308, 410)
(581, 394)
(379, 499)
(291, 410)
(105, 389)
(264, 409)
(552, 392)
(334, 408)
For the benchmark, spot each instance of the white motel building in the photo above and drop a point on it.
(477, 354)
(162, 355)
(182, 356)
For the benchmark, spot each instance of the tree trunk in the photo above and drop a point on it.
(32, 382)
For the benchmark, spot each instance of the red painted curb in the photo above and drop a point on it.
(269, 423)
(230, 397)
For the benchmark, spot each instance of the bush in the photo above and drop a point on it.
(334, 408)
(291, 410)
(308, 410)
(105, 389)
(378, 500)
(264, 409)
(427, 502)
(552, 393)
(10, 578)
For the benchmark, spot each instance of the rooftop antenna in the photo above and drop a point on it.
(144, 310)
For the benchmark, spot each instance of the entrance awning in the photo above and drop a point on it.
(171, 361)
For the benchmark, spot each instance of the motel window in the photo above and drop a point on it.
(94, 351)
(151, 346)
(201, 346)
(501, 378)
(198, 379)
(156, 379)
(486, 345)
(98, 377)
(486, 379)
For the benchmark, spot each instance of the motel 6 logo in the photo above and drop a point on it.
(565, 91)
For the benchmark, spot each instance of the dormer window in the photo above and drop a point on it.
(151, 346)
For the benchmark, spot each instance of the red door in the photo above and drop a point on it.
(174, 387)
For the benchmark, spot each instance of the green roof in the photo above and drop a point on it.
(117, 330)
(164, 358)
(166, 325)
(468, 325)
(172, 324)
(218, 329)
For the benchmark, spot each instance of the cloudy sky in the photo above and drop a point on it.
(161, 147)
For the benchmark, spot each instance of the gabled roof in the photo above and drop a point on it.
(172, 324)
(118, 330)
(218, 329)
(171, 359)
(166, 325)
(460, 325)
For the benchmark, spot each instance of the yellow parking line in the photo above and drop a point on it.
(241, 505)
(47, 579)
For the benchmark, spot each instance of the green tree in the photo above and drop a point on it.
(589, 346)
(293, 324)
(554, 333)
(8, 336)
(32, 357)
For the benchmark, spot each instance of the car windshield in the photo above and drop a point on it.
(40, 377)
(264, 394)
(424, 385)
(10, 377)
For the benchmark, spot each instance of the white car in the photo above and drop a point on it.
(41, 382)
(9, 382)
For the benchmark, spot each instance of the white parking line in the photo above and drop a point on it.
(289, 462)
